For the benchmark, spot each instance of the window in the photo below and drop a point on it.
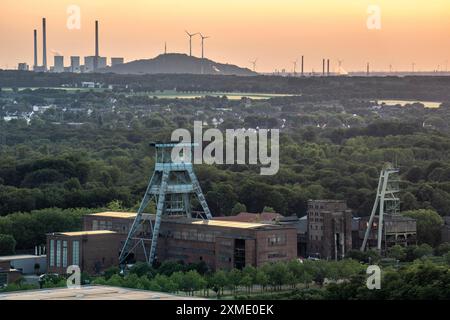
(52, 253)
(64, 255)
(76, 253)
(192, 235)
(276, 240)
(209, 237)
(95, 225)
(58, 253)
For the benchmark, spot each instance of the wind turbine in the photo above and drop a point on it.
(254, 64)
(295, 66)
(190, 41)
(203, 38)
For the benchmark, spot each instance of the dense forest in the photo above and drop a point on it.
(87, 149)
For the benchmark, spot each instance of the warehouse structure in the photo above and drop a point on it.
(220, 244)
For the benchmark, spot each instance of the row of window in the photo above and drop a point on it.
(317, 214)
(194, 236)
(316, 227)
(276, 240)
(101, 225)
(311, 206)
(61, 252)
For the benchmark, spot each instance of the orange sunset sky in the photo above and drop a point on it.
(276, 32)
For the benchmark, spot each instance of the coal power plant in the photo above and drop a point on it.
(91, 63)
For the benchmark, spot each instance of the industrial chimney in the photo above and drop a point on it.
(302, 65)
(44, 44)
(35, 50)
(96, 46)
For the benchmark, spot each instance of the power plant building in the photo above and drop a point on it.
(116, 61)
(329, 229)
(398, 230)
(220, 244)
(23, 66)
(58, 66)
(75, 64)
(89, 63)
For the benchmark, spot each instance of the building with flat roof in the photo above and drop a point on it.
(329, 229)
(23, 66)
(220, 244)
(75, 64)
(93, 251)
(398, 230)
(58, 65)
(7, 274)
(27, 264)
(91, 293)
(116, 61)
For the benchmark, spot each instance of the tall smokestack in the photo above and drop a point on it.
(302, 65)
(35, 50)
(44, 44)
(323, 66)
(96, 46)
(328, 67)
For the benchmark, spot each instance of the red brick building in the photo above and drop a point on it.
(329, 229)
(92, 251)
(7, 274)
(220, 244)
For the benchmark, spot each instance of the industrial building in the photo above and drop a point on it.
(220, 244)
(96, 292)
(92, 251)
(398, 230)
(23, 66)
(329, 229)
(15, 266)
(58, 65)
(91, 63)
(8, 274)
(75, 64)
(116, 61)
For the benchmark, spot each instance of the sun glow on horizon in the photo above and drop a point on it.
(275, 32)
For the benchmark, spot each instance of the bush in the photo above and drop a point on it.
(442, 249)
(397, 252)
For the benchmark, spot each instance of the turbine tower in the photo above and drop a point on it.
(172, 185)
(203, 38)
(295, 66)
(254, 64)
(386, 201)
(190, 41)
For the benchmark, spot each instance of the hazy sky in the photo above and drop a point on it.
(277, 32)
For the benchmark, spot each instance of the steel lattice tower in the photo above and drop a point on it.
(171, 185)
(386, 200)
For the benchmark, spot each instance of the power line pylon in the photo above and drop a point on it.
(386, 200)
(171, 186)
